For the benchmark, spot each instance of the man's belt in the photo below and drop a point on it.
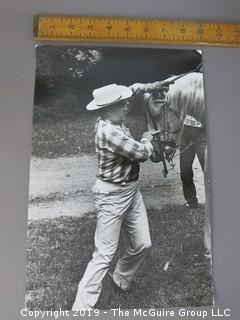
(192, 122)
(123, 183)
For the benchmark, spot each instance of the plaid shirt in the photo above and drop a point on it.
(118, 153)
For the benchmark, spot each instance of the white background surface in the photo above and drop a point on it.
(17, 64)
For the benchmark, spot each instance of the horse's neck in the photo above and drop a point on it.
(187, 95)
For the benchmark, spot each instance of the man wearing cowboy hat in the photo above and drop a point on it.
(118, 200)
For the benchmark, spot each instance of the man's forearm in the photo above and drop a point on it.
(130, 148)
(141, 88)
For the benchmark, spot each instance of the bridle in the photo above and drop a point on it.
(166, 147)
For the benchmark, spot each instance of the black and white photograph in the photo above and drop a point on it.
(119, 213)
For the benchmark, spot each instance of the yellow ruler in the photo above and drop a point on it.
(136, 30)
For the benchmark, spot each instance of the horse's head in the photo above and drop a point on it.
(167, 110)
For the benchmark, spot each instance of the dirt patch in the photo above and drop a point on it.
(62, 186)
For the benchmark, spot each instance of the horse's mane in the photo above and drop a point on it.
(186, 95)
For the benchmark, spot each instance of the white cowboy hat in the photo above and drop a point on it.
(108, 95)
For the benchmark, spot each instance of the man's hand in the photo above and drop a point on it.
(167, 82)
(162, 86)
(149, 134)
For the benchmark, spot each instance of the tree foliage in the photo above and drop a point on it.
(61, 68)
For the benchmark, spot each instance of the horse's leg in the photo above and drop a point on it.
(207, 225)
(201, 150)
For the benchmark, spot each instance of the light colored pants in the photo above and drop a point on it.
(116, 205)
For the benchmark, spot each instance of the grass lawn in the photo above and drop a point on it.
(176, 272)
(74, 136)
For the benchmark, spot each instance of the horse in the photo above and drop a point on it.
(167, 109)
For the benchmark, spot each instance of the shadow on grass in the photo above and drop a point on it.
(176, 272)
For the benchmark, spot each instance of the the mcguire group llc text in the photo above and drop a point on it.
(215, 313)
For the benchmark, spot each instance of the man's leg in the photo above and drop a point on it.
(106, 241)
(200, 147)
(137, 228)
(187, 156)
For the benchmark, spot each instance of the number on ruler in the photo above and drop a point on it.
(219, 32)
(237, 33)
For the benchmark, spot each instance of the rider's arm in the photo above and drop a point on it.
(141, 88)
